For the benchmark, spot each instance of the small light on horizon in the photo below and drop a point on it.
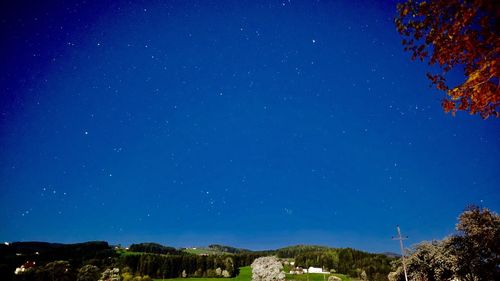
(7, 243)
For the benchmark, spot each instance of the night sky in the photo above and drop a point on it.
(257, 124)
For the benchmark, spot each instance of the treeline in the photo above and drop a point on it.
(50, 251)
(227, 249)
(154, 248)
(294, 251)
(186, 265)
(43, 259)
(246, 259)
(340, 260)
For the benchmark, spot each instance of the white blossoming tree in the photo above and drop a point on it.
(267, 269)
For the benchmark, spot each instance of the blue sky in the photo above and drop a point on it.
(257, 124)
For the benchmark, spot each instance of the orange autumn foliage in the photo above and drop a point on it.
(457, 34)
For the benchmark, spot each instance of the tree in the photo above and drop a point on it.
(267, 269)
(363, 276)
(56, 270)
(456, 34)
(111, 275)
(154, 248)
(88, 273)
(229, 266)
(428, 261)
(477, 247)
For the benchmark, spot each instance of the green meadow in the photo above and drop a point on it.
(202, 251)
(246, 275)
(315, 277)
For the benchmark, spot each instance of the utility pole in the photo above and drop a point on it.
(401, 238)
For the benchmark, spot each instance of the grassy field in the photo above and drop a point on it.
(122, 252)
(246, 275)
(204, 251)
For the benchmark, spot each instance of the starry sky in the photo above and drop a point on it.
(257, 124)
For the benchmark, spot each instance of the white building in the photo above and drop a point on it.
(316, 270)
(311, 269)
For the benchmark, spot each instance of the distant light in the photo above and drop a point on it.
(7, 243)
(314, 41)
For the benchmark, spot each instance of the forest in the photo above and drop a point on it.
(347, 261)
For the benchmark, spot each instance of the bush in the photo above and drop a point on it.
(88, 273)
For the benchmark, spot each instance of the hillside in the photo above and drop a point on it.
(215, 249)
